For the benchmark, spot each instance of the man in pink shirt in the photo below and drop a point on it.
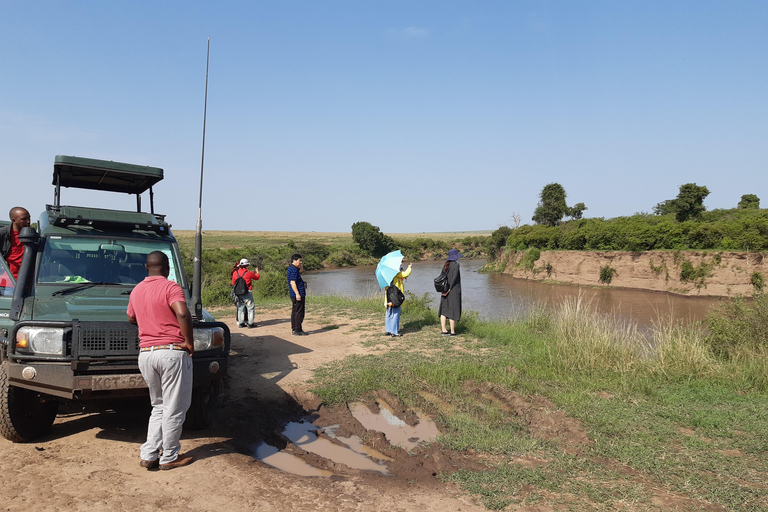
(159, 308)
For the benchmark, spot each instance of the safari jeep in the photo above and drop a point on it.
(64, 332)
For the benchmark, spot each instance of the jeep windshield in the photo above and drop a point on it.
(83, 262)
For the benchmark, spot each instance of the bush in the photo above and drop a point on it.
(758, 282)
(738, 328)
(271, 285)
(497, 240)
(530, 258)
(744, 229)
(606, 274)
(695, 275)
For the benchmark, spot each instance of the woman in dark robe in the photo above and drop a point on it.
(450, 301)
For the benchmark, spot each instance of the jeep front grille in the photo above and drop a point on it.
(99, 339)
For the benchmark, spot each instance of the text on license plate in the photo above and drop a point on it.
(106, 382)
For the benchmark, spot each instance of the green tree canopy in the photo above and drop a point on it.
(689, 203)
(371, 240)
(577, 211)
(552, 206)
(749, 201)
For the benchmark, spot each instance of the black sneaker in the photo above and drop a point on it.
(241, 325)
(251, 326)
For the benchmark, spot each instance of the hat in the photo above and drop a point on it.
(245, 263)
(453, 255)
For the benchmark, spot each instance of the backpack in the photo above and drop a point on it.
(240, 287)
(441, 283)
(395, 296)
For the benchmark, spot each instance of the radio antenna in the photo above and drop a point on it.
(197, 263)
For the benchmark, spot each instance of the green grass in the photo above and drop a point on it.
(662, 414)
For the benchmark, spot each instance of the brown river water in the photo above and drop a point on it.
(498, 296)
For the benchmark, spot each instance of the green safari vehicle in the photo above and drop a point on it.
(64, 332)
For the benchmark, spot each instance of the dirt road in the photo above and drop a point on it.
(90, 461)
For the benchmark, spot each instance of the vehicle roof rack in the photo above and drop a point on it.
(106, 175)
(97, 218)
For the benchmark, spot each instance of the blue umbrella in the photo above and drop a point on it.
(388, 268)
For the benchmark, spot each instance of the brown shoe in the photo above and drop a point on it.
(181, 460)
(149, 464)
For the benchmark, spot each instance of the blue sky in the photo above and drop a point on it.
(415, 116)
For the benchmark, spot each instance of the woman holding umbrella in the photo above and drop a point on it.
(450, 301)
(392, 317)
(388, 273)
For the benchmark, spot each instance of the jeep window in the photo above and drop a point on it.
(100, 260)
(7, 281)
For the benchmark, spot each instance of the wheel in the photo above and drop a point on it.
(24, 415)
(205, 404)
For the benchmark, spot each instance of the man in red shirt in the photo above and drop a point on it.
(12, 248)
(245, 307)
(159, 308)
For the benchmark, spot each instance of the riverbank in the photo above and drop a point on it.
(689, 273)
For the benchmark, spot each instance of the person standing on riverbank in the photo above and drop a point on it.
(392, 316)
(450, 301)
(298, 294)
(245, 306)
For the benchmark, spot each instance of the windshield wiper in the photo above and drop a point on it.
(82, 286)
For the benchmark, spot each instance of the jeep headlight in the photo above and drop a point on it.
(42, 340)
(208, 338)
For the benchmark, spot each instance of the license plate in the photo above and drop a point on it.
(108, 382)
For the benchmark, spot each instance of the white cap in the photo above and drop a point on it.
(245, 263)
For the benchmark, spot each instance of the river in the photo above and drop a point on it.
(498, 296)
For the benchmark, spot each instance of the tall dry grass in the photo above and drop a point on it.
(587, 341)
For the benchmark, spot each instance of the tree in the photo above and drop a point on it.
(665, 207)
(689, 203)
(749, 201)
(552, 207)
(371, 240)
(577, 211)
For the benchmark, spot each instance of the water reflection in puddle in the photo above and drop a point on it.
(355, 444)
(287, 462)
(398, 432)
(354, 454)
(302, 434)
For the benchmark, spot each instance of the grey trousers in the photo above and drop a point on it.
(246, 309)
(168, 374)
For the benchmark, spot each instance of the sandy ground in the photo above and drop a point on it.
(90, 461)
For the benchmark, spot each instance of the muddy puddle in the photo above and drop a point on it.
(350, 451)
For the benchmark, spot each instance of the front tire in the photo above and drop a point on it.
(205, 405)
(24, 415)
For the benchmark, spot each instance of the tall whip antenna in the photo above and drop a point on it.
(197, 276)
